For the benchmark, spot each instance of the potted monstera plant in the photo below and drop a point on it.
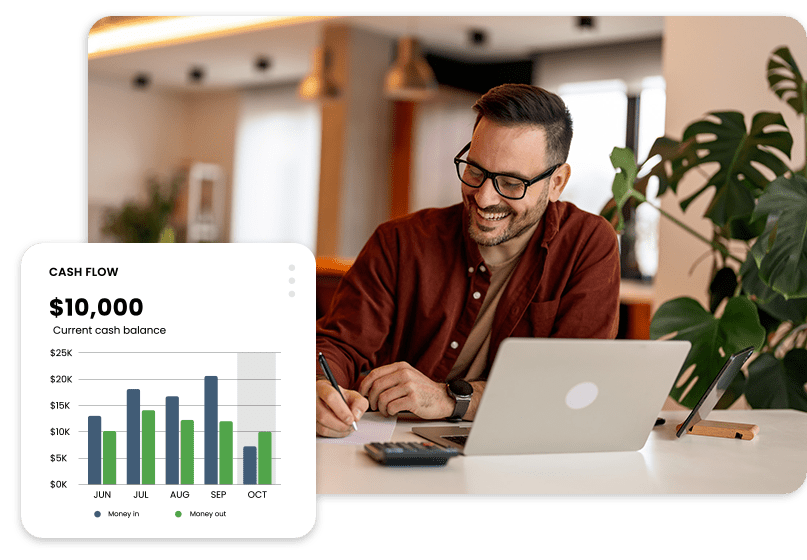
(757, 297)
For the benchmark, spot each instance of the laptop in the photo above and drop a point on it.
(568, 396)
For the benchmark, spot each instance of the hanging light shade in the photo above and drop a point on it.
(410, 78)
(319, 84)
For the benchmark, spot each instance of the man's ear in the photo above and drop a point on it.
(558, 181)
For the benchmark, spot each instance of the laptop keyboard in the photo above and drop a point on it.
(456, 439)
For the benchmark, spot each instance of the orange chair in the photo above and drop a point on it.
(329, 273)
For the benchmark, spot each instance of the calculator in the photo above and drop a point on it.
(410, 453)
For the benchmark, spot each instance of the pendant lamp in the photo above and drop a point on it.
(410, 78)
(319, 85)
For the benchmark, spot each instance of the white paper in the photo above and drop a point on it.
(372, 427)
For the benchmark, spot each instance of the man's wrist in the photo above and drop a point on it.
(460, 392)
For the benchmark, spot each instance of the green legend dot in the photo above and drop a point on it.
(178, 514)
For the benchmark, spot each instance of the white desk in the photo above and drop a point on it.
(775, 461)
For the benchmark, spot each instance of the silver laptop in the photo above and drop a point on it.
(568, 395)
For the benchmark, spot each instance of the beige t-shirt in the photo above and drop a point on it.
(474, 355)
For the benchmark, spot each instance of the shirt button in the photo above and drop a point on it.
(455, 345)
(471, 270)
(482, 268)
(477, 295)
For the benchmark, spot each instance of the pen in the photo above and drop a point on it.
(323, 363)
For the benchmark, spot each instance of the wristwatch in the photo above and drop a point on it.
(461, 391)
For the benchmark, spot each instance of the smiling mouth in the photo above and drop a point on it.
(491, 216)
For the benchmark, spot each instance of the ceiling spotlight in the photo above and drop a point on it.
(477, 37)
(141, 81)
(585, 22)
(410, 78)
(262, 63)
(196, 74)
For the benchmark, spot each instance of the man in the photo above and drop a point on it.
(432, 295)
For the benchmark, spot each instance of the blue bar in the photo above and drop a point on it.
(133, 436)
(172, 440)
(94, 438)
(250, 464)
(211, 429)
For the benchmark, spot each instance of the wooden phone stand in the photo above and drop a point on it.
(731, 430)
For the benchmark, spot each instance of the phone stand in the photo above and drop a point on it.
(731, 430)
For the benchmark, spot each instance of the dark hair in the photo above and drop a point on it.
(521, 104)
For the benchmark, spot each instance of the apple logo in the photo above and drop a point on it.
(581, 395)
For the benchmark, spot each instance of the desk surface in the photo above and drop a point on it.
(775, 461)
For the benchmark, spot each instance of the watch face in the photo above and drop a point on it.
(460, 387)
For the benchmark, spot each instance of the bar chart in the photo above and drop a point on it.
(190, 451)
(170, 404)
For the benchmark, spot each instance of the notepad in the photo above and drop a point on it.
(373, 427)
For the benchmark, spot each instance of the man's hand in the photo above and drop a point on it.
(397, 387)
(334, 417)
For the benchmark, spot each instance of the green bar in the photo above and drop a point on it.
(264, 457)
(148, 452)
(186, 452)
(225, 452)
(110, 457)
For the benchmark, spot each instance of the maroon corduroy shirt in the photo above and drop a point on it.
(410, 293)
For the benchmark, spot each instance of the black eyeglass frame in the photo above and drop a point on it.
(492, 176)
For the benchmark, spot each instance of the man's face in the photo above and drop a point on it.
(514, 150)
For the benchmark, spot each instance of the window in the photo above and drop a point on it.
(599, 112)
(276, 177)
(605, 116)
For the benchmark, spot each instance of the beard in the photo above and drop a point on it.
(517, 223)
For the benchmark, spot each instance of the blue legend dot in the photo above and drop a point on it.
(97, 514)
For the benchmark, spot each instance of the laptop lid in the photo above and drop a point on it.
(571, 395)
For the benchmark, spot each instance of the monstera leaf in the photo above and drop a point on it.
(786, 81)
(770, 302)
(712, 338)
(723, 139)
(781, 251)
(776, 383)
(629, 185)
(623, 185)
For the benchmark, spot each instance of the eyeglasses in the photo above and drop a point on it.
(508, 186)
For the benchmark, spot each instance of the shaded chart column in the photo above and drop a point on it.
(257, 413)
(250, 464)
(265, 457)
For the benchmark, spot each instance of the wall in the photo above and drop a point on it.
(354, 187)
(132, 134)
(136, 134)
(210, 138)
(441, 128)
(608, 62)
(712, 64)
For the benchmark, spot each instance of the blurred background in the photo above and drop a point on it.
(316, 129)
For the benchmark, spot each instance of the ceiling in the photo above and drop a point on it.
(228, 61)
